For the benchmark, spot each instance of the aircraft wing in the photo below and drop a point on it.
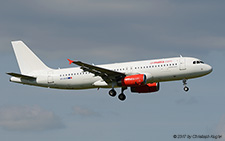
(107, 75)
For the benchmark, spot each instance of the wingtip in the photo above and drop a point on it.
(70, 61)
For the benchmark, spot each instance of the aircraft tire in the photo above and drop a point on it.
(122, 97)
(112, 93)
(186, 89)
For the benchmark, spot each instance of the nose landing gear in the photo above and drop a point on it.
(186, 89)
(185, 85)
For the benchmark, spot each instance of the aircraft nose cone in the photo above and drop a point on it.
(209, 69)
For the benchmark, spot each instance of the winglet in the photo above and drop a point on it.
(70, 61)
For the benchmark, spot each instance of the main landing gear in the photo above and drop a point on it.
(112, 92)
(121, 96)
(185, 85)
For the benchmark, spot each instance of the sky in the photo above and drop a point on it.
(102, 31)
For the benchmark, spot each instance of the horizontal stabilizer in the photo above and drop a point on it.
(22, 76)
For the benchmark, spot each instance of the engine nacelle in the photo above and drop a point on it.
(133, 80)
(148, 88)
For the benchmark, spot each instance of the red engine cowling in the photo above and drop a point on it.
(148, 88)
(133, 80)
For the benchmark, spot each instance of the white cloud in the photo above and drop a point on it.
(25, 118)
(220, 129)
(84, 112)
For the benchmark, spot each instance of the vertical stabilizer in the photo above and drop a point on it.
(27, 60)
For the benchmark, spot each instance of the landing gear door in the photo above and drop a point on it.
(182, 63)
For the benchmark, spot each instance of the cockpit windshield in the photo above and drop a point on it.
(198, 62)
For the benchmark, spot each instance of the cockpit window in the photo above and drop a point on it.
(198, 62)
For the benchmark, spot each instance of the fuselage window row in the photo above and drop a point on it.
(144, 67)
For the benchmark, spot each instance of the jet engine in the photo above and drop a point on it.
(148, 88)
(133, 80)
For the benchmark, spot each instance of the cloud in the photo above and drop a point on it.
(220, 128)
(207, 42)
(83, 7)
(112, 30)
(84, 112)
(189, 101)
(26, 118)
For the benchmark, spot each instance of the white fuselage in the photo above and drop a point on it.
(159, 70)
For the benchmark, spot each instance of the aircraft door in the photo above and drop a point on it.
(50, 77)
(182, 63)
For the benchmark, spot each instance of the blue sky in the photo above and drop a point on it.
(105, 32)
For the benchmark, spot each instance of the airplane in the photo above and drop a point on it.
(140, 76)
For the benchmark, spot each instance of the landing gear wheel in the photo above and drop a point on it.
(186, 88)
(122, 97)
(185, 83)
(112, 93)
